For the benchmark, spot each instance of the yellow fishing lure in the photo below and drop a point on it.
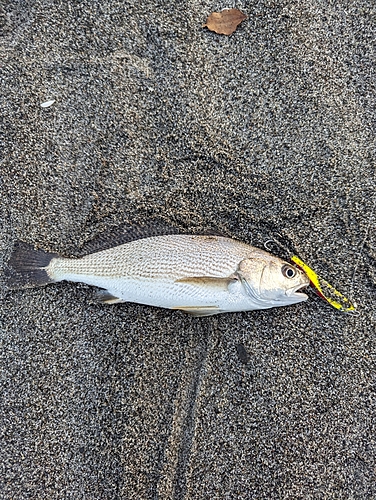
(324, 289)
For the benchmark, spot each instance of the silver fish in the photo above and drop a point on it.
(199, 274)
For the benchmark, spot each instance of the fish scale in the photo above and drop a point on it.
(166, 257)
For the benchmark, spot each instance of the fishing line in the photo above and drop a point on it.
(279, 244)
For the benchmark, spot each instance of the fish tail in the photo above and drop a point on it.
(27, 267)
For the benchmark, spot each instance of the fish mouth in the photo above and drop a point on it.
(296, 292)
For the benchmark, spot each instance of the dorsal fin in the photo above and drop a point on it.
(129, 232)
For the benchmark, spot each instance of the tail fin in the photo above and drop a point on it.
(27, 267)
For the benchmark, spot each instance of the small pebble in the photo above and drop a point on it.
(47, 104)
(242, 353)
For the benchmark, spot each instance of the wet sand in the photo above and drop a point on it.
(265, 134)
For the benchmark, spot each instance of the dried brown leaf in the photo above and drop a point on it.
(224, 22)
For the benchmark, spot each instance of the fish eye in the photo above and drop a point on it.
(288, 271)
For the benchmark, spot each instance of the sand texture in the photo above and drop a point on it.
(267, 133)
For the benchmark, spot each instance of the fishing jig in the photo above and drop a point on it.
(325, 290)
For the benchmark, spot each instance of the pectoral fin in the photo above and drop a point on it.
(208, 281)
(199, 311)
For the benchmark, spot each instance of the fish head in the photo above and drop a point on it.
(273, 282)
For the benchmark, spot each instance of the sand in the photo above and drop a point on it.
(268, 133)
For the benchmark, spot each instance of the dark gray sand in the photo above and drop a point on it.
(267, 133)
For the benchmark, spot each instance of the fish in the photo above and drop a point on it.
(201, 274)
